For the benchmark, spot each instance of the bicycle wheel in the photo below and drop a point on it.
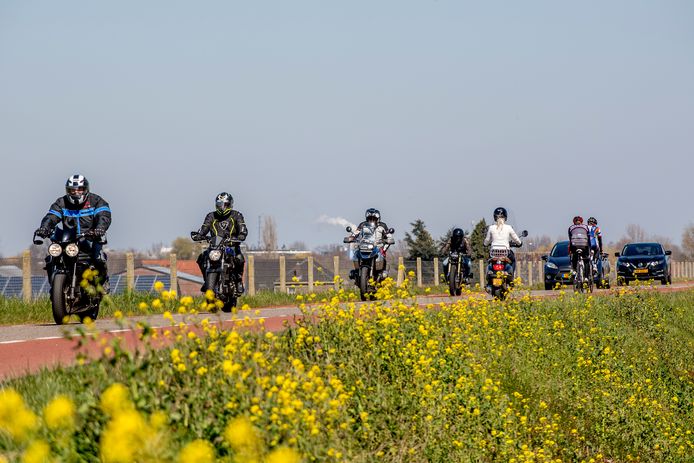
(578, 278)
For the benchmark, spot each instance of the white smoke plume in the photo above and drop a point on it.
(339, 221)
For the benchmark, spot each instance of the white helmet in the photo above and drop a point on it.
(77, 189)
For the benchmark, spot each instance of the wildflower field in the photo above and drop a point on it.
(577, 378)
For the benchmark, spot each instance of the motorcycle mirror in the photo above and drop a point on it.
(616, 254)
(544, 258)
(349, 229)
(524, 233)
(391, 231)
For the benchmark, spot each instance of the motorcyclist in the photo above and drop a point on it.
(460, 244)
(579, 238)
(500, 235)
(373, 219)
(86, 211)
(226, 222)
(595, 235)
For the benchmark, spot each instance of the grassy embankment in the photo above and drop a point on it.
(607, 378)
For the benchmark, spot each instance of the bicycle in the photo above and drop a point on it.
(581, 280)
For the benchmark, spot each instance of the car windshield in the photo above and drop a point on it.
(642, 250)
(560, 249)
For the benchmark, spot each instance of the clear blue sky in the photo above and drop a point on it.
(439, 110)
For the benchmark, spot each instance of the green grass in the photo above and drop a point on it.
(608, 378)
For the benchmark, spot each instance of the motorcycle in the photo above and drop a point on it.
(458, 273)
(71, 293)
(370, 257)
(500, 271)
(220, 269)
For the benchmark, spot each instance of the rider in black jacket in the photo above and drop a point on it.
(86, 211)
(458, 243)
(224, 221)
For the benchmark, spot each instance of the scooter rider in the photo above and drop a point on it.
(224, 221)
(578, 239)
(89, 213)
(373, 219)
(500, 235)
(460, 244)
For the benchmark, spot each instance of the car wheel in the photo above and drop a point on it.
(549, 286)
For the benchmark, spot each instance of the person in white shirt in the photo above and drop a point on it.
(500, 235)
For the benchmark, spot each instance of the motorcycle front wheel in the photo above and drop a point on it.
(58, 299)
(454, 288)
(364, 283)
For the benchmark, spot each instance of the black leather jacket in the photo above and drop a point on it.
(93, 214)
(226, 225)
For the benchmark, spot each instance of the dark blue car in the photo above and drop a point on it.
(558, 268)
(643, 261)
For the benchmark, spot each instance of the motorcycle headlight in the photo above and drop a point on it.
(55, 250)
(72, 250)
(552, 265)
(215, 255)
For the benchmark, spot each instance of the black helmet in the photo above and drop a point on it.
(592, 221)
(457, 236)
(223, 203)
(372, 213)
(500, 212)
(77, 189)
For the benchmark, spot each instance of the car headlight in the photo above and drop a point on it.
(623, 264)
(655, 263)
(72, 250)
(55, 250)
(552, 265)
(215, 255)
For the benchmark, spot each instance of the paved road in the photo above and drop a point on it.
(28, 348)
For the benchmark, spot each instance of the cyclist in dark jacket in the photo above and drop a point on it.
(579, 238)
(224, 222)
(86, 211)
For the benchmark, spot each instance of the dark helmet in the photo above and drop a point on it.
(77, 189)
(457, 236)
(592, 221)
(372, 214)
(223, 203)
(578, 220)
(500, 212)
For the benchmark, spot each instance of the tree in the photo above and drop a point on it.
(420, 243)
(184, 248)
(688, 241)
(269, 233)
(479, 251)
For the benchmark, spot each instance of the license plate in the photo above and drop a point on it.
(497, 281)
(567, 275)
(641, 270)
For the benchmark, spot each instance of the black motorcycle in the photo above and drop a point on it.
(371, 258)
(500, 270)
(458, 272)
(69, 256)
(220, 269)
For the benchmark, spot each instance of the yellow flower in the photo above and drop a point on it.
(198, 451)
(243, 438)
(283, 455)
(15, 418)
(158, 286)
(115, 399)
(118, 315)
(143, 306)
(156, 303)
(129, 438)
(37, 452)
(59, 414)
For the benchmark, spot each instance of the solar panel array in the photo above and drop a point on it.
(12, 286)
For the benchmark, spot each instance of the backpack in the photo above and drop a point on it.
(578, 236)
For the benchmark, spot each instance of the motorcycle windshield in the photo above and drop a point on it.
(65, 234)
(216, 241)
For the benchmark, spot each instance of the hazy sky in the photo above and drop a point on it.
(440, 110)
